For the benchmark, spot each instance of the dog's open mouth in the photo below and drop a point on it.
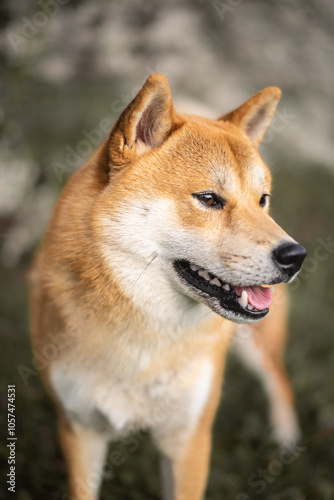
(248, 303)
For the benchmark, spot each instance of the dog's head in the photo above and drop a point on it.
(190, 196)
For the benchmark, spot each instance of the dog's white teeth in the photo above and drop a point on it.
(204, 274)
(251, 308)
(193, 267)
(215, 281)
(243, 301)
(227, 287)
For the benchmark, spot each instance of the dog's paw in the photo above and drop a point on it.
(285, 427)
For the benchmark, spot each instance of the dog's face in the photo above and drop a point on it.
(193, 195)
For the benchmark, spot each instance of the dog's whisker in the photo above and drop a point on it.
(145, 268)
(205, 315)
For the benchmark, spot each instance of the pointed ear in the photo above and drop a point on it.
(255, 115)
(145, 123)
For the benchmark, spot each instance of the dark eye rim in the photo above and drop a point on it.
(264, 198)
(218, 202)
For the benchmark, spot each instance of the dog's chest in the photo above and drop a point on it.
(118, 404)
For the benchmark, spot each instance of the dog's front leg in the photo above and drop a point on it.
(186, 445)
(84, 451)
(184, 477)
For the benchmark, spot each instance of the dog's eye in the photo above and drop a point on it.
(210, 199)
(263, 200)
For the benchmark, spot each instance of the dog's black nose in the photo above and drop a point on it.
(289, 257)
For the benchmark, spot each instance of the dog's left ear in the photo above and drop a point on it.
(144, 124)
(255, 115)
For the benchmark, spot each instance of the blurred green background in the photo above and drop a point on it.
(67, 65)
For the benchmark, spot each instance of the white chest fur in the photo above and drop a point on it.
(172, 399)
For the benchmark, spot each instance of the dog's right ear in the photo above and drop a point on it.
(255, 115)
(144, 124)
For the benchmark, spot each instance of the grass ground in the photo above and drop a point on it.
(303, 203)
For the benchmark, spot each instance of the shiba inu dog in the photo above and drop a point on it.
(156, 248)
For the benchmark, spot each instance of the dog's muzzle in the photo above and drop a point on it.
(289, 258)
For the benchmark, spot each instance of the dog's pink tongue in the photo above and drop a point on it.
(258, 297)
